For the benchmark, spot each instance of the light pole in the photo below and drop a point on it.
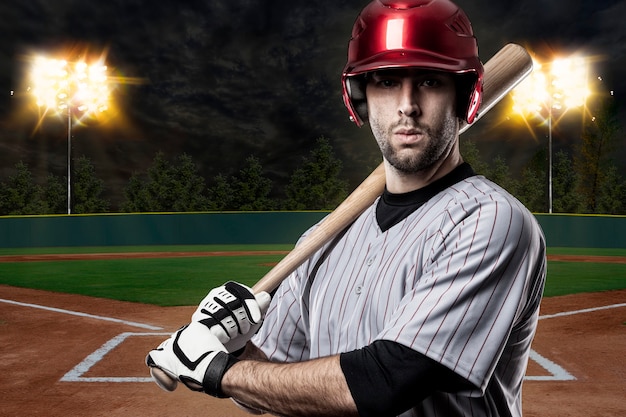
(69, 159)
(75, 89)
(557, 86)
(550, 153)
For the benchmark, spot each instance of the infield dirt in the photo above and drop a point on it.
(41, 345)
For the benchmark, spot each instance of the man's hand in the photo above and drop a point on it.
(192, 355)
(233, 313)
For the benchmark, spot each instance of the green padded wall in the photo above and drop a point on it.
(247, 228)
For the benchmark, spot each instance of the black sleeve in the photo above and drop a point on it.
(387, 378)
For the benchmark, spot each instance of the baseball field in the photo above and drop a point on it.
(75, 325)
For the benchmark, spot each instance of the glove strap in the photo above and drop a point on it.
(212, 382)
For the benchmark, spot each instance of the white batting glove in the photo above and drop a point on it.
(233, 313)
(192, 355)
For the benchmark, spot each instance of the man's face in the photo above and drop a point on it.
(412, 114)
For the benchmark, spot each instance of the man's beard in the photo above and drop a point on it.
(438, 141)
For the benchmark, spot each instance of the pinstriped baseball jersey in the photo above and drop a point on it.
(459, 280)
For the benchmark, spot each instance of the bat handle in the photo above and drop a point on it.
(163, 380)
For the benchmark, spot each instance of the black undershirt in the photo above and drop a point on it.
(386, 378)
(393, 208)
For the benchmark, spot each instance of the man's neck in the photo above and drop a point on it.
(400, 182)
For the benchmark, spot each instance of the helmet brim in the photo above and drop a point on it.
(411, 59)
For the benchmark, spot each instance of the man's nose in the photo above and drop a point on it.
(408, 105)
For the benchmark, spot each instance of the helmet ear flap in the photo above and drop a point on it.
(474, 101)
(356, 92)
(469, 96)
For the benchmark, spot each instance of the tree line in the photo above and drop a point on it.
(177, 186)
(587, 180)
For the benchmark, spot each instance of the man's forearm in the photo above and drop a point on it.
(311, 388)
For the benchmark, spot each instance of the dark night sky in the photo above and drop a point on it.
(225, 79)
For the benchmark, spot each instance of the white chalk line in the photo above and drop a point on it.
(586, 310)
(557, 373)
(76, 374)
(77, 313)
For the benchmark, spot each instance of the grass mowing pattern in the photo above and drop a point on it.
(133, 249)
(587, 251)
(165, 282)
(185, 281)
(580, 277)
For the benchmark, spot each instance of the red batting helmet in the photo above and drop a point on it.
(430, 34)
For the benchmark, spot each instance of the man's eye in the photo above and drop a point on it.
(386, 83)
(431, 82)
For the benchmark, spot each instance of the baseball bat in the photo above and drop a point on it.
(507, 68)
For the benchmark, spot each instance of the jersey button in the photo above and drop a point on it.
(358, 289)
(370, 261)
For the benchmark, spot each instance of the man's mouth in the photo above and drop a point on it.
(405, 131)
(408, 134)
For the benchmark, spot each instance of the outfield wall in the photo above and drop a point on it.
(247, 228)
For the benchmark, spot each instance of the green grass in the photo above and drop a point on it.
(580, 277)
(587, 251)
(173, 281)
(184, 281)
(127, 249)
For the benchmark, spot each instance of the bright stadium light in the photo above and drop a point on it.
(554, 87)
(77, 90)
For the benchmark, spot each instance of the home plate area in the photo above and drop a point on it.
(73, 355)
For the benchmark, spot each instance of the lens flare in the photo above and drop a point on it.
(79, 88)
(552, 88)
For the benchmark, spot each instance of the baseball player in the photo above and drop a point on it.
(427, 304)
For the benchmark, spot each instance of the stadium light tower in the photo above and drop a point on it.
(552, 88)
(76, 90)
